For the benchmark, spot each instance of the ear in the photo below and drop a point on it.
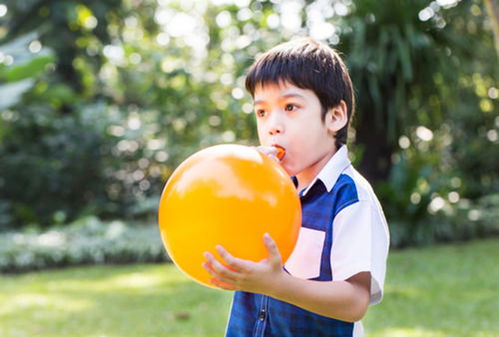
(336, 117)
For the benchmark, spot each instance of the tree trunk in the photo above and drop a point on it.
(493, 12)
(376, 158)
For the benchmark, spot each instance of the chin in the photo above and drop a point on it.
(290, 171)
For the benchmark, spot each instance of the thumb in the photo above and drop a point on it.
(274, 254)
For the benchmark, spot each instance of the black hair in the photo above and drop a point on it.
(307, 64)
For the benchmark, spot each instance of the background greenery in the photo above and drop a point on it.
(100, 101)
(85, 241)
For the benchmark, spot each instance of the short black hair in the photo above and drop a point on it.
(307, 64)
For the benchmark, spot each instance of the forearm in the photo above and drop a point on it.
(343, 300)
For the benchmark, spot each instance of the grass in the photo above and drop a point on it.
(440, 291)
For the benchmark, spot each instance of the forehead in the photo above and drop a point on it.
(281, 90)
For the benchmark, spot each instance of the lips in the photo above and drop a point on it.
(281, 151)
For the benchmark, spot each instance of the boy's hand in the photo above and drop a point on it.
(238, 274)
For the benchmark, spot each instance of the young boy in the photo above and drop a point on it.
(304, 101)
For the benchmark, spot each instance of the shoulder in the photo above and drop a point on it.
(352, 189)
(352, 180)
(352, 185)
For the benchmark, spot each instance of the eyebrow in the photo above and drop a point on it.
(290, 95)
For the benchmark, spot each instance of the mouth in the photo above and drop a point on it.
(281, 151)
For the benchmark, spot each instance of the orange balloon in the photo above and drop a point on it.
(227, 195)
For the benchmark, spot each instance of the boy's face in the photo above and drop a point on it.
(290, 117)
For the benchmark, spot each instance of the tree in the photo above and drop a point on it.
(493, 12)
(117, 93)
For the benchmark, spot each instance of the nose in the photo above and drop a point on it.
(276, 125)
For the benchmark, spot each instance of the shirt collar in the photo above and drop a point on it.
(332, 170)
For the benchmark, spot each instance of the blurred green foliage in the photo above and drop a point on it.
(85, 241)
(100, 101)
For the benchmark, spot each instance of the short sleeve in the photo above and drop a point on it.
(360, 244)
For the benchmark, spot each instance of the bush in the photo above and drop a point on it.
(57, 160)
(427, 198)
(462, 221)
(86, 241)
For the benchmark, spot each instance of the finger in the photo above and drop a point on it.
(272, 249)
(209, 268)
(223, 285)
(232, 262)
(219, 268)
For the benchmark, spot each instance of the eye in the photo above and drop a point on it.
(290, 107)
(260, 112)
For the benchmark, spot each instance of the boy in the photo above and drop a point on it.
(304, 101)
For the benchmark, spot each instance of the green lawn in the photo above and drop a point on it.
(449, 290)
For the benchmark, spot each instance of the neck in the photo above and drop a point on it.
(306, 176)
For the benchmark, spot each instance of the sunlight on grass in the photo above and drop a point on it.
(138, 300)
(138, 281)
(43, 302)
(412, 333)
(446, 290)
(127, 282)
(439, 291)
(421, 332)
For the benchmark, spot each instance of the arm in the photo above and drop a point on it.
(345, 300)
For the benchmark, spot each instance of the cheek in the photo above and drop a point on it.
(261, 137)
(292, 160)
(302, 149)
(259, 129)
